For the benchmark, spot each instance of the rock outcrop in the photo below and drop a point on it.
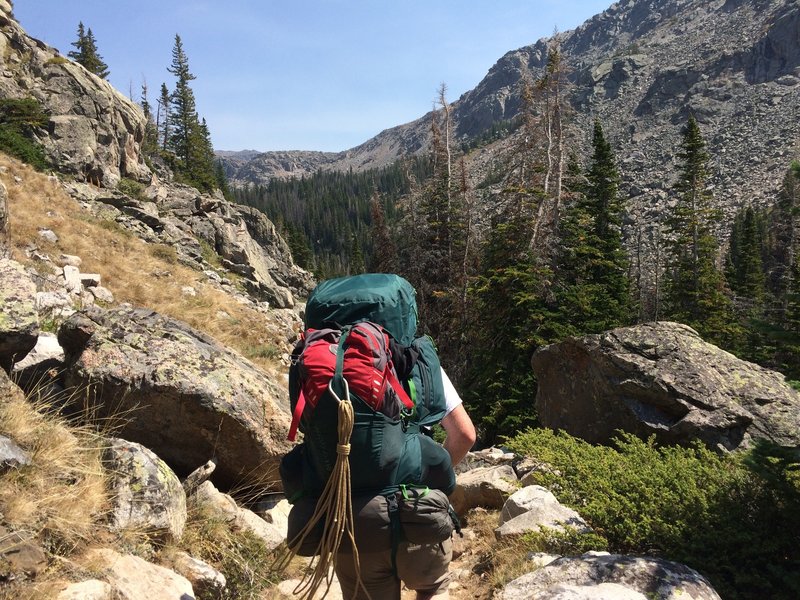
(662, 379)
(19, 320)
(178, 392)
(202, 228)
(94, 132)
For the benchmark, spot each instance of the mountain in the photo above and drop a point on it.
(642, 67)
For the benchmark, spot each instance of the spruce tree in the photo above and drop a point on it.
(150, 141)
(190, 139)
(695, 290)
(163, 117)
(86, 53)
(593, 285)
(182, 105)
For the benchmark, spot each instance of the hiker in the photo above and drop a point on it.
(424, 568)
(368, 485)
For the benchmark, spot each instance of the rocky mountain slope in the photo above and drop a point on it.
(641, 67)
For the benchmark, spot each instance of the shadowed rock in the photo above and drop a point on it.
(662, 379)
(19, 321)
(177, 392)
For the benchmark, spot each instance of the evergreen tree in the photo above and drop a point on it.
(86, 53)
(384, 256)
(695, 291)
(163, 117)
(150, 141)
(182, 105)
(783, 275)
(190, 139)
(592, 278)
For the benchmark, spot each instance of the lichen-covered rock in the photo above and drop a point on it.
(179, 393)
(662, 379)
(146, 495)
(19, 321)
(622, 577)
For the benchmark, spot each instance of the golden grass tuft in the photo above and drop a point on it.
(61, 496)
(145, 275)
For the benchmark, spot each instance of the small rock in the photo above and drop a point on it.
(205, 579)
(188, 290)
(70, 259)
(72, 279)
(90, 279)
(19, 555)
(48, 235)
(11, 455)
(102, 294)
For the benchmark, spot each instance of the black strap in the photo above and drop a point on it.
(395, 528)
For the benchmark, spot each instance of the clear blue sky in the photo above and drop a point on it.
(305, 74)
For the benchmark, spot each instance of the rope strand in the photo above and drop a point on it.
(335, 510)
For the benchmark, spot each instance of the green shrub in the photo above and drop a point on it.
(131, 188)
(735, 518)
(18, 118)
(56, 60)
(14, 143)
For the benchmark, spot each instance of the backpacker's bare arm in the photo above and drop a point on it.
(460, 433)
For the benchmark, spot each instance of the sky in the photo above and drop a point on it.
(304, 74)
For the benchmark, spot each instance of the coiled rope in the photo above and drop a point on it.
(335, 510)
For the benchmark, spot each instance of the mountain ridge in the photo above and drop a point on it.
(641, 67)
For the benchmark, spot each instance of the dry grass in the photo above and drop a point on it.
(142, 274)
(61, 496)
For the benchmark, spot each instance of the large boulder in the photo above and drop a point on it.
(178, 392)
(662, 379)
(604, 576)
(487, 487)
(19, 321)
(94, 132)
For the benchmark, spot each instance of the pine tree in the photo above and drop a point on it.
(593, 285)
(384, 255)
(182, 105)
(150, 141)
(695, 291)
(190, 139)
(163, 117)
(86, 53)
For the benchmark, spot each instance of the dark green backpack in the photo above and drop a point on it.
(387, 450)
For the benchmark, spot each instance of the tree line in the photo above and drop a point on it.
(553, 258)
(174, 131)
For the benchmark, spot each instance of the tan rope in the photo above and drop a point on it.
(335, 510)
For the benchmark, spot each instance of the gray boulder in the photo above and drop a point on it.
(147, 495)
(19, 321)
(178, 392)
(610, 577)
(662, 379)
